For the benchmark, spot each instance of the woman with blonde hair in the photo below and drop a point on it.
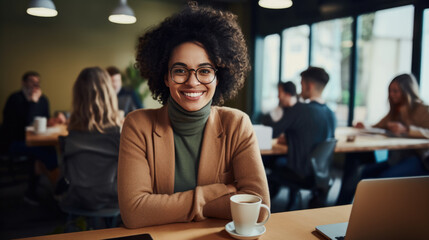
(92, 146)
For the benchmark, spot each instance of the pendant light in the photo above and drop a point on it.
(122, 14)
(42, 8)
(275, 4)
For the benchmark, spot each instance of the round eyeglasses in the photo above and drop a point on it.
(204, 75)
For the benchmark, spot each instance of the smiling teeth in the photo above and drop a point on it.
(194, 94)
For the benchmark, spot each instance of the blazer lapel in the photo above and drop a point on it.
(212, 149)
(163, 152)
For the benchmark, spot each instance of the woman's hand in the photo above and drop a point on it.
(397, 128)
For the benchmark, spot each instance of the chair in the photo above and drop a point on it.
(14, 168)
(109, 215)
(319, 182)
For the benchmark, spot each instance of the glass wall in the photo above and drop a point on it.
(384, 51)
(424, 77)
(295, 53)
(270, 72)
(331, 43)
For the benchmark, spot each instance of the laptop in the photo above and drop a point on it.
(390, 208)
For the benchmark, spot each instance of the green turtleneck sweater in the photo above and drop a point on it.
(188, 129)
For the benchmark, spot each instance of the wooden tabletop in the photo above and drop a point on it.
(361, 142)
(287, 225)
(50, 138)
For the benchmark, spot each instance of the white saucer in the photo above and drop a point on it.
(230, 228)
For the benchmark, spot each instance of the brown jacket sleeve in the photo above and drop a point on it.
(141, 201)
(247, 170)
(140, 205)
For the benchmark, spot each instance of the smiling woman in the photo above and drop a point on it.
(182, 162)
(187, 89)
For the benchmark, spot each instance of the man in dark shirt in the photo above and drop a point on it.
(20, 110)
(22, 107)
(306, 124)
(287, 98)
(128, 100)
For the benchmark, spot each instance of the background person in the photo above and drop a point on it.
(128, 100)
(19, 112)
(408, 117)
(23, 106)
(304, 126)
(91, 149)
(287, 98)
(182, 162)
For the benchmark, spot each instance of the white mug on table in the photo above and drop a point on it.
(40, 124)
(245, 210)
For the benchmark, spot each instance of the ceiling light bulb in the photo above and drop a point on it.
(122, 19)
(123, 14)
(42, 8)
(275, 4)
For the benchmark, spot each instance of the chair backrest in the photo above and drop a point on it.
(321, 158)
(104, 212)
(62, 143)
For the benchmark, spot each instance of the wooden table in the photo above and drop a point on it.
(287, 225)
(362, 142)
(50, 138)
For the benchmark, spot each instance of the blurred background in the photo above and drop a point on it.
(362, 44)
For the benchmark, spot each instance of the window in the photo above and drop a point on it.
(295, 53)
(384, 51)
(331, 43)
(424, 77)
(270, 72)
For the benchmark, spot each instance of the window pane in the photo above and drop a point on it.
(384, 51)
(424, 79)
(331, 44)
(270, 72)
(295, 54)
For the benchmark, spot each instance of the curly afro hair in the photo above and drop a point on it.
(216, 30)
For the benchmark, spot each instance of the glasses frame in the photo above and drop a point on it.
(195, 72)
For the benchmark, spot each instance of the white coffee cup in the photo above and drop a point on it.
(245, 210)
(40, 125)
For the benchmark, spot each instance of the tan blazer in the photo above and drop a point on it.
(230, 163)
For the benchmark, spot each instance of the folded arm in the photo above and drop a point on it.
(247, 170)
(139, 203)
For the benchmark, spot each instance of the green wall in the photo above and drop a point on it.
(60, 47)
